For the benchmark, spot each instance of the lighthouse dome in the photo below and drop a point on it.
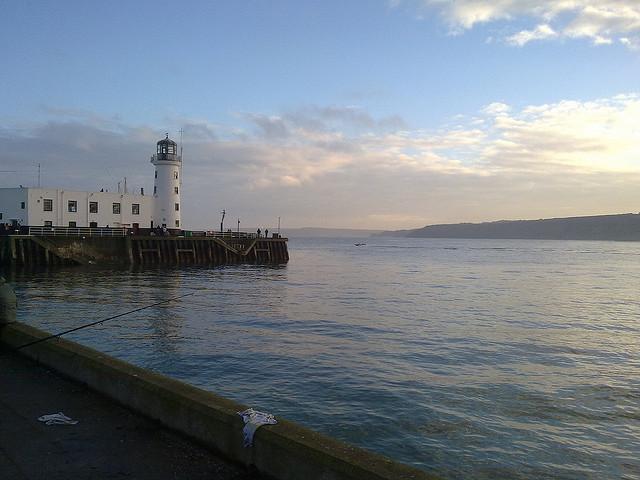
(166, 146)
(167, 141)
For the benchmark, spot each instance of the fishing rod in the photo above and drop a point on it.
(57, 335)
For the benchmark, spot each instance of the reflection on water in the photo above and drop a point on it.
(482, 358)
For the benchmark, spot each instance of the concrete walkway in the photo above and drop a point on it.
(109, 442)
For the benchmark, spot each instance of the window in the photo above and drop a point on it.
(175, 174)
(72, 224)
(47, 205)
(135, 209)
(177, 207)
(93, 207)
(155, 190)
(116, 209)
(167, 148)
(175, 189)
(156, 173)
(93, 224)
(22, 205)
(0, 215)
(177, 223)
(48, 223)
(72, 206)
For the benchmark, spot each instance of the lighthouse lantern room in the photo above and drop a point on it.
(166, 188)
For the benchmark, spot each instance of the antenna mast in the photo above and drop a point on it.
(181, 160)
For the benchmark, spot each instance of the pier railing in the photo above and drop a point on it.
(78, 231)
(124, 231)
(211, 233)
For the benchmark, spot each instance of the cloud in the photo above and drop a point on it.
(333, 166)
(497, 108)
(567, 137)
(356, 116)
(272, 127)
(631, 43)
(601, 21)
(322, 119)
(525, 36)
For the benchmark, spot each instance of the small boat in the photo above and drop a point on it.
(359, 244)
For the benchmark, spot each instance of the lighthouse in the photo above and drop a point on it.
(166, 186)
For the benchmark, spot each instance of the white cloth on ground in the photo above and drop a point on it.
(252, 420)
(57, 419)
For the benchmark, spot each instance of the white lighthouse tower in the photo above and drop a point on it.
(166, 187)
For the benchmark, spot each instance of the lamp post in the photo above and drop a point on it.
(238, 228)
(224, 212)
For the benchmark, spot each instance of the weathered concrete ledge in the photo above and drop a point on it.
(285, 451)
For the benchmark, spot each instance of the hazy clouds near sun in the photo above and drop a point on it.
(350, 169)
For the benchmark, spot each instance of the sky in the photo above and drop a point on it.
(380, 114)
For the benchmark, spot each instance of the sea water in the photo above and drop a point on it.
(466, 358)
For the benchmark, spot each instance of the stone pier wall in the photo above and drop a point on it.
(140, 250)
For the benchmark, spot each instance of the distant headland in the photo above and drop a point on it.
(621, 227)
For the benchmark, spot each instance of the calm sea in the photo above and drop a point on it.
(466, 358)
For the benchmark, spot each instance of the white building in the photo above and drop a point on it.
(67, 208)
(57, 207)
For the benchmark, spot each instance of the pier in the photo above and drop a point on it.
(51, 246)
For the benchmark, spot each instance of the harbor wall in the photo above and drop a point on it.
(285, 451)
(139, 250)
